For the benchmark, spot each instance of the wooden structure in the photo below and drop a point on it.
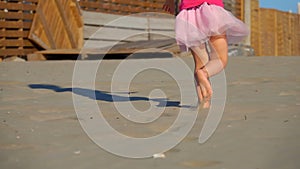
(122, 7)
(125, 34)
(104, 23)
(101, 30)
(57, 24)
(15, 22)
(236, 7)
(275, 33)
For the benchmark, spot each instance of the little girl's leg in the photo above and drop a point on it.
(218, 55)
(203, 86)
(212, 66)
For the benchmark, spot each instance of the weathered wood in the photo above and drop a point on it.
(15, 21)
(163, 24)
(101, 27)
(56, 26)
(15, 42)
(14, 33)
(107, 33)
(154, 46)
(34, 1)
(15, 24)
(36, 57)
(16, 15)
(111, 20)
(96, 44)
(5, 52)
(278, 33)
(122, 6)
(17, 6)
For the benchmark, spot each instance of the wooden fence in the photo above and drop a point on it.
(236, 7)
(275, 33)
(15, 21)
(130, 7)
(16, 18)
(122, 7)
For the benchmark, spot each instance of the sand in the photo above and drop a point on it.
(259, 128)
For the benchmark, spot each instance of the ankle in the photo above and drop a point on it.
(204, 70)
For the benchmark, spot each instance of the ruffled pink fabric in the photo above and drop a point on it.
(195, 26)
(185, 4)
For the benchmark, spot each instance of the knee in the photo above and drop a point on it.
(224, 61)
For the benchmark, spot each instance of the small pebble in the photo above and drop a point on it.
(4, 121)
(77, 152)
(285, 121)
(91, 117)
(18, 137)
(159, 155)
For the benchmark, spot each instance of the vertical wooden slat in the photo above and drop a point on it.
(45, 25)
(21, 29)
(66, 23)
(57, 26)
(255, 22)
(275, 34)
(242, 11)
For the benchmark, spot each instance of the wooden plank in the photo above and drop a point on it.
(95, 52)
(116, 28)
(156, 35)
(97, 44)
(66, 23)
(84, 51)
(107, 33)
(275, 35)
(100, 43)
(255, 22)
(17, 6)
(15, 15)
(15, 42)
(11, 52)
(14, 33)
(131, 22)
(15, 24)
(116, 49)
(123, 7)
(57, 26)
(26, 1)
(139, 3)
(111, 20)
(164, 24)
(40, 19)
(36, 57)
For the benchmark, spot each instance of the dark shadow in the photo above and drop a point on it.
(103, 95)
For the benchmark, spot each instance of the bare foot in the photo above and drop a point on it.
(204, 88)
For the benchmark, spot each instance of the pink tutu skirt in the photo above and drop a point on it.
(195, 26)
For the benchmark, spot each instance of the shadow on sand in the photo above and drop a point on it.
(104, 96)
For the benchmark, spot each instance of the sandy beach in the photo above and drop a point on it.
(259, 128)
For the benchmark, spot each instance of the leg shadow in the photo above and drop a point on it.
(104, 96)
